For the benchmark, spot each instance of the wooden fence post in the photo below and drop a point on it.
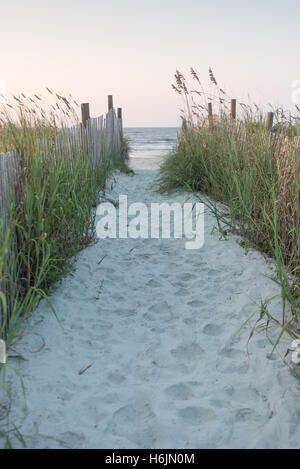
(233, 109)
(85, 113)
(210, 114)
(120, 119)
(110, 102)
(270, 120)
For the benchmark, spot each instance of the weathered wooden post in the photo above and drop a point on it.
(270, 120)
(210, 114)
(233, 109)
(85, 115)
(110, 102)
(110, 128)
(120, 119)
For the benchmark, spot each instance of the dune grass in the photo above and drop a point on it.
(51, 214)
(254, 172)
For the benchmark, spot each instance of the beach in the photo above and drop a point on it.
(147, 353)
(150, 228)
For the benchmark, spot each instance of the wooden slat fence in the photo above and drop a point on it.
(100, 137)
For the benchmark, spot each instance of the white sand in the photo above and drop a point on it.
(167, 370)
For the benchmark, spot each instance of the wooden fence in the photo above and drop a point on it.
(9, 175)
(276, 139)
(233, 114)
(100, 136)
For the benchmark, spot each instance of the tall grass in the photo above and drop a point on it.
(50, 216)
(255, 172)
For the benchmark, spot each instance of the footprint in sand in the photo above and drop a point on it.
(229, 352)
(188, 352)
(88, 267)
(213, 330)
(196, 415)
(153, 284)
(182, 292)
(191, 321)
(177, 284)
(214, 272)
(196, 303)
(134, 422)
(71, 439)
(180, 392)
(159, 311)
(116, 378)
(229, 389)
(186, 277)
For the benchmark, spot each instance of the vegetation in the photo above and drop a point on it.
(255, 172)
(50, 216)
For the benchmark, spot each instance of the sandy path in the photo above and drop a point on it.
(168, 371)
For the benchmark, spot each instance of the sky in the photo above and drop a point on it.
(131, 49)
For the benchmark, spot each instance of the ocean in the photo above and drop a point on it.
(150, 145)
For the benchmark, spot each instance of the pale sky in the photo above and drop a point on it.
(131, 49)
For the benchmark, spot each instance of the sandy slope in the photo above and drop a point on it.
(167, 370)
